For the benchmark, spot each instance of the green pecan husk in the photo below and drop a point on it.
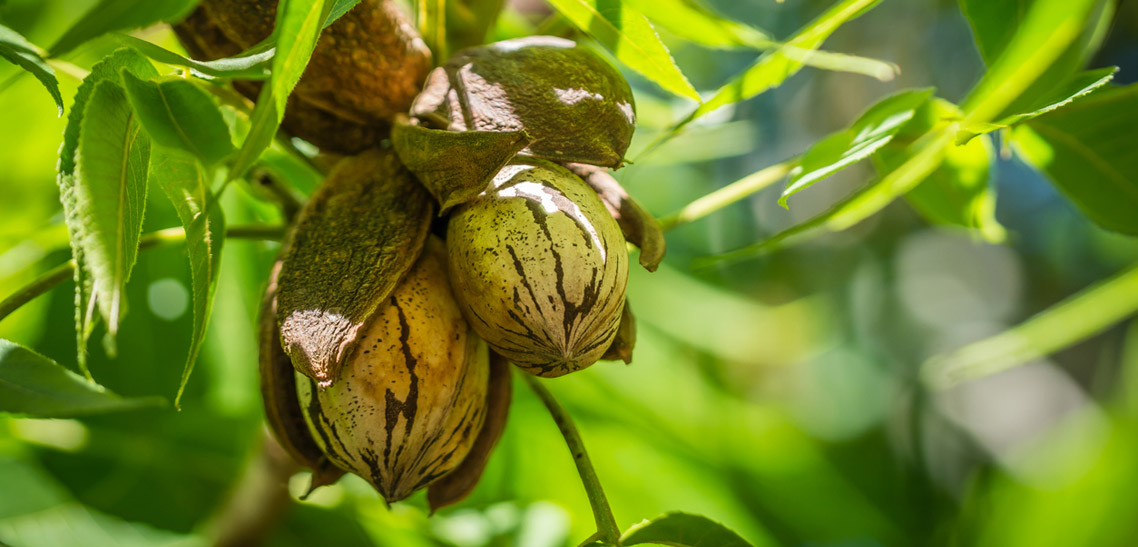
(539, 267)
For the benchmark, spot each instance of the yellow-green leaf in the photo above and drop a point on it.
(630, 37)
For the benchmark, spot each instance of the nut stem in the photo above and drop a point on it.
(607, 529)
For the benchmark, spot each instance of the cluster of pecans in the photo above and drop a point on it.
(475, 225)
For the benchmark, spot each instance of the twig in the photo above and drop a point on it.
(728, 195)
(64, 271)
(607, 529)
(258, 500)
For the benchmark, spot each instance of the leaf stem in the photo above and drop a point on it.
(607, 529)
(63, 272)
(734, 192)
(40, 285)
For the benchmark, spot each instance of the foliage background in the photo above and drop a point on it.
(779, 395)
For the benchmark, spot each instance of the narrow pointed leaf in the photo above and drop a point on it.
(1001, 27)
(113, 162)
(841, 62)
(109, 69)
(297, 28)
(630, 37)
(186, 182)
(682, 530)
(443, 162)
(776, 66)
(34, 385)
(22, 53)
(871, 131)
(1047, 29)
(924, 157)
(177, 114)
(1088, 151)
(1071, 321)
(337, 10)
(250, 65)
(1080, 85)
(112, 15)
(696, 23)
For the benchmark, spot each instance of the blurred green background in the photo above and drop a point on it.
(778, 395)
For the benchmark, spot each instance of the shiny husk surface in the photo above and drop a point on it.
(574, 104)
(410, 402)
(539, 268)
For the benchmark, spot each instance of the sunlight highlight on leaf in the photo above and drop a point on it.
(630, 37)
(776, 66)
(871, 131)
(1047, 29)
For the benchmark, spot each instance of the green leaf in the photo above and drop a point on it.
(1073, 320)
(1047, 29)
(37, 386)
(871, 131)
(1088, 151)
(186, 182)
(297, 29)
(924, 157)
(841, 62)
(630, 37)
(696, 23)
(112, 161)
(177, 114)
(1078, 86)
(682, 530)
(22, 53)
(699, 24)
(995, 24)
(111, 15)
(958, 193)
(337, 10)
(250, 65)
(109, 69)
(776, 66)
